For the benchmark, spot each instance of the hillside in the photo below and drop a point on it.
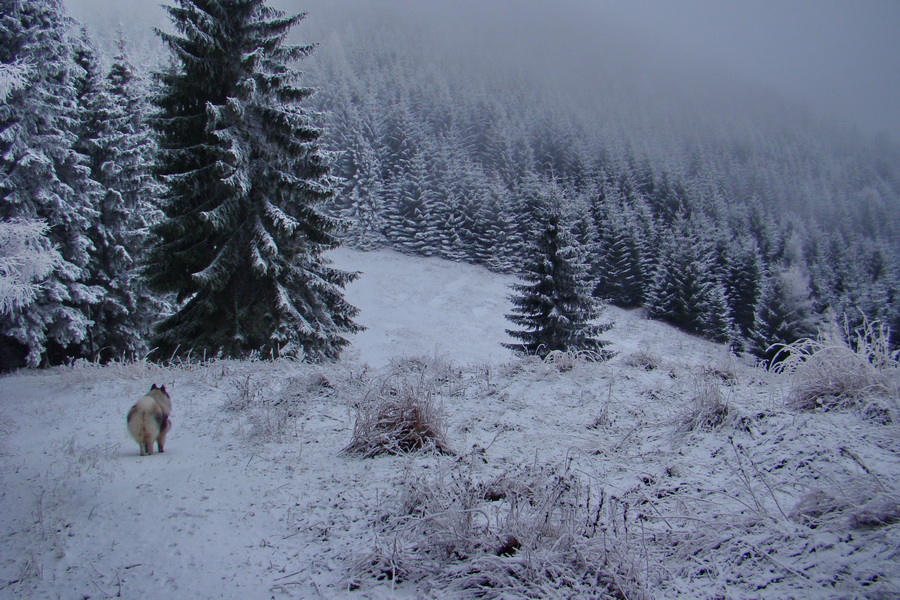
(566, 479)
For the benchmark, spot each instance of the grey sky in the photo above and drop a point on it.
(840, 57)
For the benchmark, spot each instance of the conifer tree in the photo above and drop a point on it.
(743, 284)
(618, 270)
(243, 235)
(111, 332)
(685, 291)
(784, 314)
(555, 305)
(43, 178)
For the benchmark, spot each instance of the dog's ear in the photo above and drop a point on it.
(163, 390)
(153, 387)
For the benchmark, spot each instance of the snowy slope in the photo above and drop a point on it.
(414, 306)
(623, 484)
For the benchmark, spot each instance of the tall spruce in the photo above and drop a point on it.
(242, 239)
(686, 291)
(42, 177)
(555, 305)
(112, 332)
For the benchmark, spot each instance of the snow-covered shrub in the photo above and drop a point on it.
(533, 532)
(403, 414)
(856, 368)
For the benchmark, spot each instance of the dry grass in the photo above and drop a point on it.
(568, 360)
(402, 414)
(533, 532)
(852, 369)
(643, 359)
(708, 410)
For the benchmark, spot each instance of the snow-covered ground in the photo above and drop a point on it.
(568, 479)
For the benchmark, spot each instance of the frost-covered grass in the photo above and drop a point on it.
(846, 369)
(696, 478)
(403, 412)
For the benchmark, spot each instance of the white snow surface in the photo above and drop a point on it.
(254, 498)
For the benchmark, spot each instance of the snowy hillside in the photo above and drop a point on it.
(672, 471)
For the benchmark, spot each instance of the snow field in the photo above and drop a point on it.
(672, 471)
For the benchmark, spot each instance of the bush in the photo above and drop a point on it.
(402, 414)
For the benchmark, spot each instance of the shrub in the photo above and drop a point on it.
(401, 415)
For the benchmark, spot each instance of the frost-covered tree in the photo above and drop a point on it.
(113, 138)
(743, 284)
(242, 240)
(685, 290)
(43, 178)
(554, 305)
(784, 314)
(12, 77)
(618, 267)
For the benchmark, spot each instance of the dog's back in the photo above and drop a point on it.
(148, 419)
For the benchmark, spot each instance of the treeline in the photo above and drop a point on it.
(750, 228)
(189, 228)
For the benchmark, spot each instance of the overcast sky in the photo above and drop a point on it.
(840, 57)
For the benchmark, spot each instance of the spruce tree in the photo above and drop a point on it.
(111, 333)
(685, 290)
(555, 305)
(42, 177)
(743, 284)
(783, 316)
(243, 235)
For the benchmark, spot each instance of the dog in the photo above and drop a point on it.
(148, 420)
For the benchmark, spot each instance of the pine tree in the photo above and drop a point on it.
(685, 291)
(743, 284)
(109, 334)
(26, 258)
(618, 271)
(42, 177)
(555, 305)
(784, 314)
(242, 240)
(118, 145)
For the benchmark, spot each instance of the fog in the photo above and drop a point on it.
(836, 57)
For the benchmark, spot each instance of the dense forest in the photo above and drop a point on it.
(721, 209)
(743, 218)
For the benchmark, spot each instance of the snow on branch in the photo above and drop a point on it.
(12, 77)
(26, 258)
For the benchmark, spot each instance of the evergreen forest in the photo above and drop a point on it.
(746, 220)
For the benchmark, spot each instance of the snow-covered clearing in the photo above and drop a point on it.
(569, 479)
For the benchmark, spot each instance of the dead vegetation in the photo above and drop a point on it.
(533, 532)
(847, 369)
(403, 414)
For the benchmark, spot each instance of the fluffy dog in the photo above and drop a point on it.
(148, 420)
